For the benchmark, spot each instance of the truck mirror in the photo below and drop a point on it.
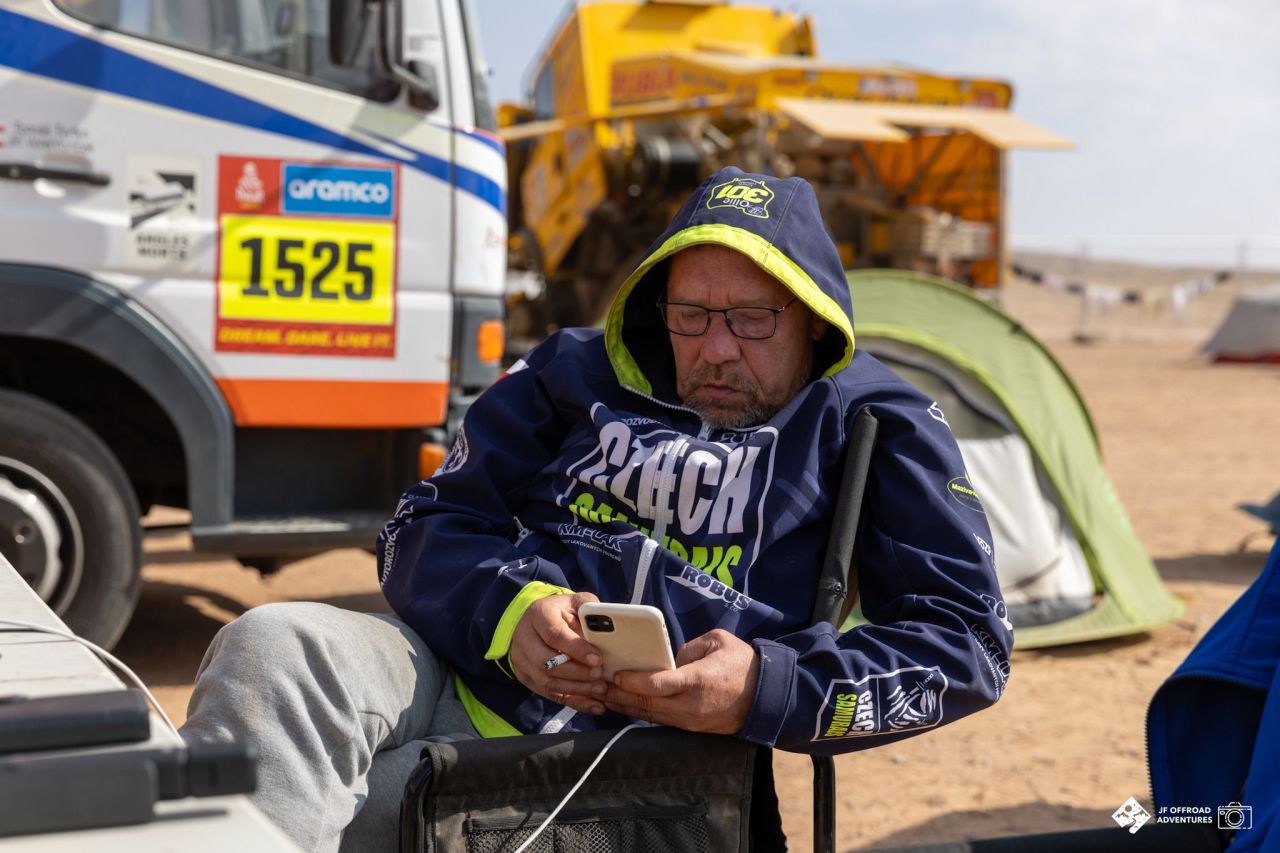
(418, 76)
(348, 20)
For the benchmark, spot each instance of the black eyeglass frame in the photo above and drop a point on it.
(728, 321)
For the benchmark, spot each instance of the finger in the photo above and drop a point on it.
(572, 670)
(695, 649)
(666, 683)
(637, 701)
(574, 688)
(580, 704)
(559, 636)
(642, 711)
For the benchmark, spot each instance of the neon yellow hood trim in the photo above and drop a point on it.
(763, 253)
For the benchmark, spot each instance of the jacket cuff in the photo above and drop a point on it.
(774, 693)
(529, 593)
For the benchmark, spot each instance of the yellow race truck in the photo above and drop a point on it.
(632, 103)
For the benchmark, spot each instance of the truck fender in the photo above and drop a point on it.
(75, 310)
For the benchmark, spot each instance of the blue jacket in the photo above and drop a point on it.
(1213, 729)
(581, 470)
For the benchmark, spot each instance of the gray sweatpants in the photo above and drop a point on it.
(339, 705)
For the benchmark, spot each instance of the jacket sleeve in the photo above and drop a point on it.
(937, 644)
(448, 561)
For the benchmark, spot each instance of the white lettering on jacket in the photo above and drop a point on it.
(706, 488)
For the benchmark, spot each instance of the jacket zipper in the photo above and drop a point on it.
(704, 430)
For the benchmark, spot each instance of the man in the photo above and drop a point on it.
(686, 457)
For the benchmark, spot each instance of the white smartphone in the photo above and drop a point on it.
(629, 636)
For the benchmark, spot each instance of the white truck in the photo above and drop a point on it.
(252, 258)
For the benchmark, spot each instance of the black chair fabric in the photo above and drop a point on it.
(657, 789)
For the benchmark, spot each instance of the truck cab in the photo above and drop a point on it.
(252, 258)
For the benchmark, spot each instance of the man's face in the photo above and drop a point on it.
(732, 382)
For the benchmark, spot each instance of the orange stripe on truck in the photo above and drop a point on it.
(335, 404)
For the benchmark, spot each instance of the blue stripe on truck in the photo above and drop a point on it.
(40, 48)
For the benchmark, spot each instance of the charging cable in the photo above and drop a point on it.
(115, 662)
(576, 786)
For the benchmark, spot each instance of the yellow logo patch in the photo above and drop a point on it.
(749, 195)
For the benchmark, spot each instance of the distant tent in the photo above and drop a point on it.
(1251, 330)
(1070, 566)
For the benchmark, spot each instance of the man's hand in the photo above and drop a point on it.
(548, 628)
(710, 690)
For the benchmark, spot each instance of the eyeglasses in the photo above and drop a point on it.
(751, 323)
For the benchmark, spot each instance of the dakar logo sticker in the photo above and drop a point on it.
(962, 490)
(749, 195)
(902, 700)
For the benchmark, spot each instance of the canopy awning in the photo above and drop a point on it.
(881, 122)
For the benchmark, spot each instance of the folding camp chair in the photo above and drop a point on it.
(657, 789)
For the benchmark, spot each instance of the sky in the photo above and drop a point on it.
(1174, 106)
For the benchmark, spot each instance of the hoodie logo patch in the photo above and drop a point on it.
(962, 490)
(748, 195)
(887, 703)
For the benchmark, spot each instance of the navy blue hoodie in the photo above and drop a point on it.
(580, 470)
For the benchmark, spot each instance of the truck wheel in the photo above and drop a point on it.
(68, 517)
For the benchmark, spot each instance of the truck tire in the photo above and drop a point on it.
(68, 517)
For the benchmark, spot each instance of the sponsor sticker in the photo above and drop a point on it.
(964, 494)
(641, 81)
(749, 195)
(591, 537)
(708, 587)
(306, 258)
(161, 198)
(46, 137)
(338, 190)
(903, 700)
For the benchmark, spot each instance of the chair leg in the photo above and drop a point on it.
(413, 827)
(824, 804)
(766, 820)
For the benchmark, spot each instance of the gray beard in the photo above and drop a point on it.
(747, 416)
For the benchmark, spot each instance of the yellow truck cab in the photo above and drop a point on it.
(631, 104)
(252, 259)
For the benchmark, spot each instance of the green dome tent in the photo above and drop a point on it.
(1069, 563)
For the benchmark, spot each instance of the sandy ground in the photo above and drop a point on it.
(1184, 442)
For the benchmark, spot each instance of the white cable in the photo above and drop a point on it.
(576, 786)
(105, 655)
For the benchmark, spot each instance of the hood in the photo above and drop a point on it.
(773, 221)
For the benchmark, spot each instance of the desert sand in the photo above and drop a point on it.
(1184, 442)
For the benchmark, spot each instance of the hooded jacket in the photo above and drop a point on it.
(580, 470)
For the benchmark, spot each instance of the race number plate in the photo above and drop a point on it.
(307, 258)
